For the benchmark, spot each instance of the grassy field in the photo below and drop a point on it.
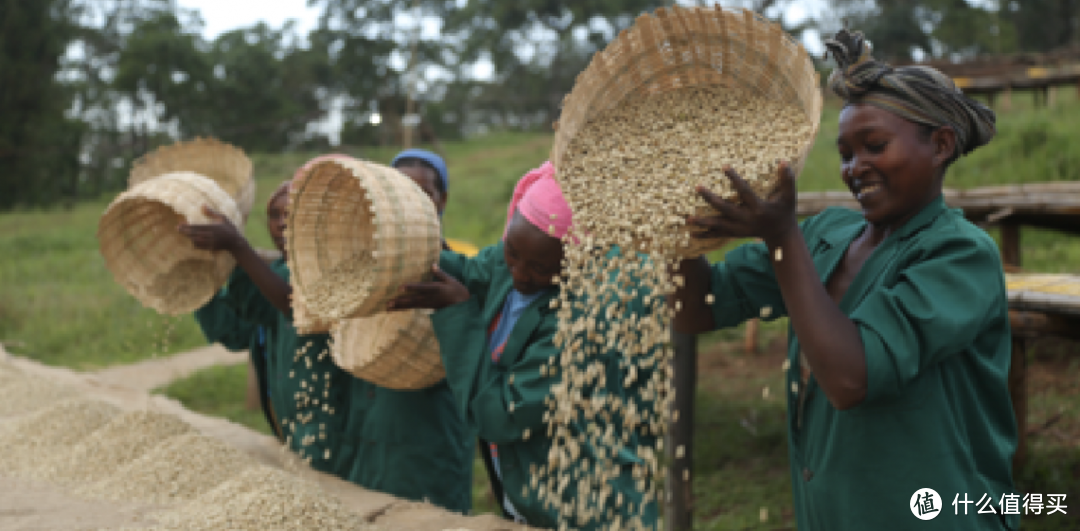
(59, 304)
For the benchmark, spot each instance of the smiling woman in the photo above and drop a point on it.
(899, 352)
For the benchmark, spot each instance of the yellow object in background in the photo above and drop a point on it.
(1043, 283)
(462, 247)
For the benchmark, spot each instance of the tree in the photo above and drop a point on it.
(538, 47)
(165, 75)
(1042, 25)
(902, 31)
(265, 89)
(38, 144)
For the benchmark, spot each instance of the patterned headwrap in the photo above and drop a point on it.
(920, 94)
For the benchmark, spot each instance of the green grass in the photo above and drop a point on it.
(218, 391)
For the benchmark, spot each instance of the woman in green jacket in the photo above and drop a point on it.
(411, 444)
(899, 345)
(257, 296)
(220, 324)
(496, 331)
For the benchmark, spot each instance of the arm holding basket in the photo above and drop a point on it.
(224, 236)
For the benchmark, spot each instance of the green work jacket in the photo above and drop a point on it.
(220, 324)
(484, 391)
(411, 444)
(931, 309)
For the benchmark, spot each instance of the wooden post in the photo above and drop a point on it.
(750, 345)
(679, 513)
(252, 401)
(1018, 392)
(1006, 100)
(1010, 244)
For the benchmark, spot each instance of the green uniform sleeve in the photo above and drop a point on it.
(247, 301)
(499, 402)
(472, 272)
(220, 324)
(940, 304)
(743, 284)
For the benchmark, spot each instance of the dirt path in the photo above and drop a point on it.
(150, 374)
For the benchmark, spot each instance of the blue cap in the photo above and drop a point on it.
(434, 160)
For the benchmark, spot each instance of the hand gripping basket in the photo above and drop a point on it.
(146, 254)
(680, 48)
(395, 350)
(227, 165)
(357, 231)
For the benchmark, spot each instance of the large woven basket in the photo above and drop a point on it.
(396, 350)
(146, 254)
(679, 48)
(304, 321)
(357, 231)
(225, 164)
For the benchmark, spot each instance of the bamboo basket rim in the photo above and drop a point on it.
(406, 357)
(139, 246)
(398, 231)
(221, 162)
(685, 47)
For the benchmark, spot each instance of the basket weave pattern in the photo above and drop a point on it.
(147, 255)
(304, 321)
(395, 350)
(225, 164)
(356, 232)
(679, 48)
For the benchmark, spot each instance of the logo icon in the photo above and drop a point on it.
(925, 504)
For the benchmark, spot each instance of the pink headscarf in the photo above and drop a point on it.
(539, 199)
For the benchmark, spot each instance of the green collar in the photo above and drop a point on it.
(926, 216)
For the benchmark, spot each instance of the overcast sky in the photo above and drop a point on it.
(224, 15)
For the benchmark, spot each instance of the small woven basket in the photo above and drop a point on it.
(395, 350)
(146, 254)
(225, 164)
(357, 232)
(679, 48)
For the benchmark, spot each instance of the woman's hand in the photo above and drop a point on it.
(219, 236)
(769, 219)
(442, 291)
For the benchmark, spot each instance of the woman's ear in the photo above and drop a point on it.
(944, 140)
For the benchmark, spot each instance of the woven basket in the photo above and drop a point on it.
(357, 232)
(304, 321)
(679, 48)
(146, 254)
(395, 350)
(225, 164)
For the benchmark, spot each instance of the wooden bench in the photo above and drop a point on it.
(1039, 306)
